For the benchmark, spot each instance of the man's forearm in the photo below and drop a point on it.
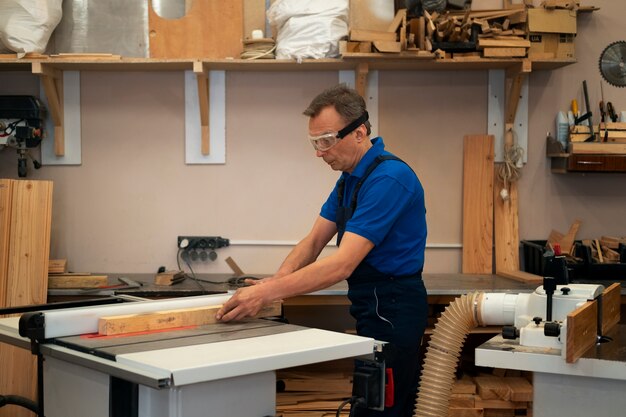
(303, 254)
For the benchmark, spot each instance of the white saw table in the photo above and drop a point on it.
(215, 370)
(592, 386)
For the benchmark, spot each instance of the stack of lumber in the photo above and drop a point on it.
(59, 277)
(25, 220)
(502, 394)
(314, 391)
(605, 249)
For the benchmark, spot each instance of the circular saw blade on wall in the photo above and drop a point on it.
(613, 64)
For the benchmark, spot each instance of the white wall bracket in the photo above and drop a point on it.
(508, 107)
(60, 94)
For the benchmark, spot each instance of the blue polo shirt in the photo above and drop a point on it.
(390, 213)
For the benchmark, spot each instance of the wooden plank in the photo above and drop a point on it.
(210, 29)
(57, 266)
(29, 243)
(371, 35)
(397, 21)
(77, 281)
(385, 46)
(582, 328)
(492, 388)
(506, 229)
(478, 168)
(567, 242)
(503, 43)
(521, 389)
(199, 316)
(504, 52)
(611, 299)
(6, 195)
(464, 386)
(28, 255)
(253, 17)
(465, 412)
(522, 276)
(598, 148)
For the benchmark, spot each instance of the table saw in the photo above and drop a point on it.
(224, 369)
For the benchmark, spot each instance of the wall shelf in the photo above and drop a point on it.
(50, 70)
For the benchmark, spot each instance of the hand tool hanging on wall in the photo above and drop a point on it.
(588, 115)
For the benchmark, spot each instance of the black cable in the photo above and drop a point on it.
(355, 402)
(19, 401)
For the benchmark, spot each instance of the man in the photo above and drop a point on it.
(377, 210)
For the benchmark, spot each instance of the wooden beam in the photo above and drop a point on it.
(478, 155)
(582, 329)
(52, 80)
(160, 320)
(202, 76)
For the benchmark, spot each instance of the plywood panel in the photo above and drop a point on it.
(210, 29)
(27, 273)
(478, 151)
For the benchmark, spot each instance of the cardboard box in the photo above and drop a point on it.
(551, 33)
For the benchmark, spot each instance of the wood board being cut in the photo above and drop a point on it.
(210, 29)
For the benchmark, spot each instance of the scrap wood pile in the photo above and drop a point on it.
(605, 249)
(501, 33)
(505, 393)
(309, 391)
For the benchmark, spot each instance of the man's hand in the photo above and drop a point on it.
(246, 302)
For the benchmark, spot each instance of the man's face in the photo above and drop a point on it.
(342, 156)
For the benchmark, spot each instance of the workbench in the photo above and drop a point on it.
(223, 369)
(592, 386)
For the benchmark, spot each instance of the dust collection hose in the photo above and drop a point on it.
(442, 355)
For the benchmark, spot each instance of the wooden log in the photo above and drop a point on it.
(198, 316)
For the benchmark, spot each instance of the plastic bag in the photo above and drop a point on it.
(26, 25)
(309, 29)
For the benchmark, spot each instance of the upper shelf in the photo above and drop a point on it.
(374, 63)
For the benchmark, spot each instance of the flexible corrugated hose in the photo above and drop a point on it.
(442, 355)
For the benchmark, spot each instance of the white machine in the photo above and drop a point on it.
(216, 370)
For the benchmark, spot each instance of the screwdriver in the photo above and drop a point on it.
(611, 111)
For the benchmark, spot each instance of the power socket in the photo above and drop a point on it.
(189, 243)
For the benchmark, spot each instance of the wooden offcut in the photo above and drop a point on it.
(169, 277)
(372, 35)
(77, 281)
(478, 155)
(210, 29)
(504, 52)
(57, 266)
(198, 316)
(26, 279)
(582, 329)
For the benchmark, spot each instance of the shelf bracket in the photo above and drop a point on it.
(52, 80)
(202, 77)
(515, 77)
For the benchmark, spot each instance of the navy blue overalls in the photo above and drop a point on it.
(387, 308)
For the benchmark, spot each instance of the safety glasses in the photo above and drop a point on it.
(327, 140)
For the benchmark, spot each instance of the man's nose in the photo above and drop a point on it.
(319, 153)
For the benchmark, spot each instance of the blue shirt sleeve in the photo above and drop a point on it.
(329, 209)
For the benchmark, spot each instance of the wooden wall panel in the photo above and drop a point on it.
(27, 281)
(6, 187)
(478, 169)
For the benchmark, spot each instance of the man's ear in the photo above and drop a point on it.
(361, 133)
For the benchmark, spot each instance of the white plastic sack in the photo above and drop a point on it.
(26, 25)
(309, 29)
